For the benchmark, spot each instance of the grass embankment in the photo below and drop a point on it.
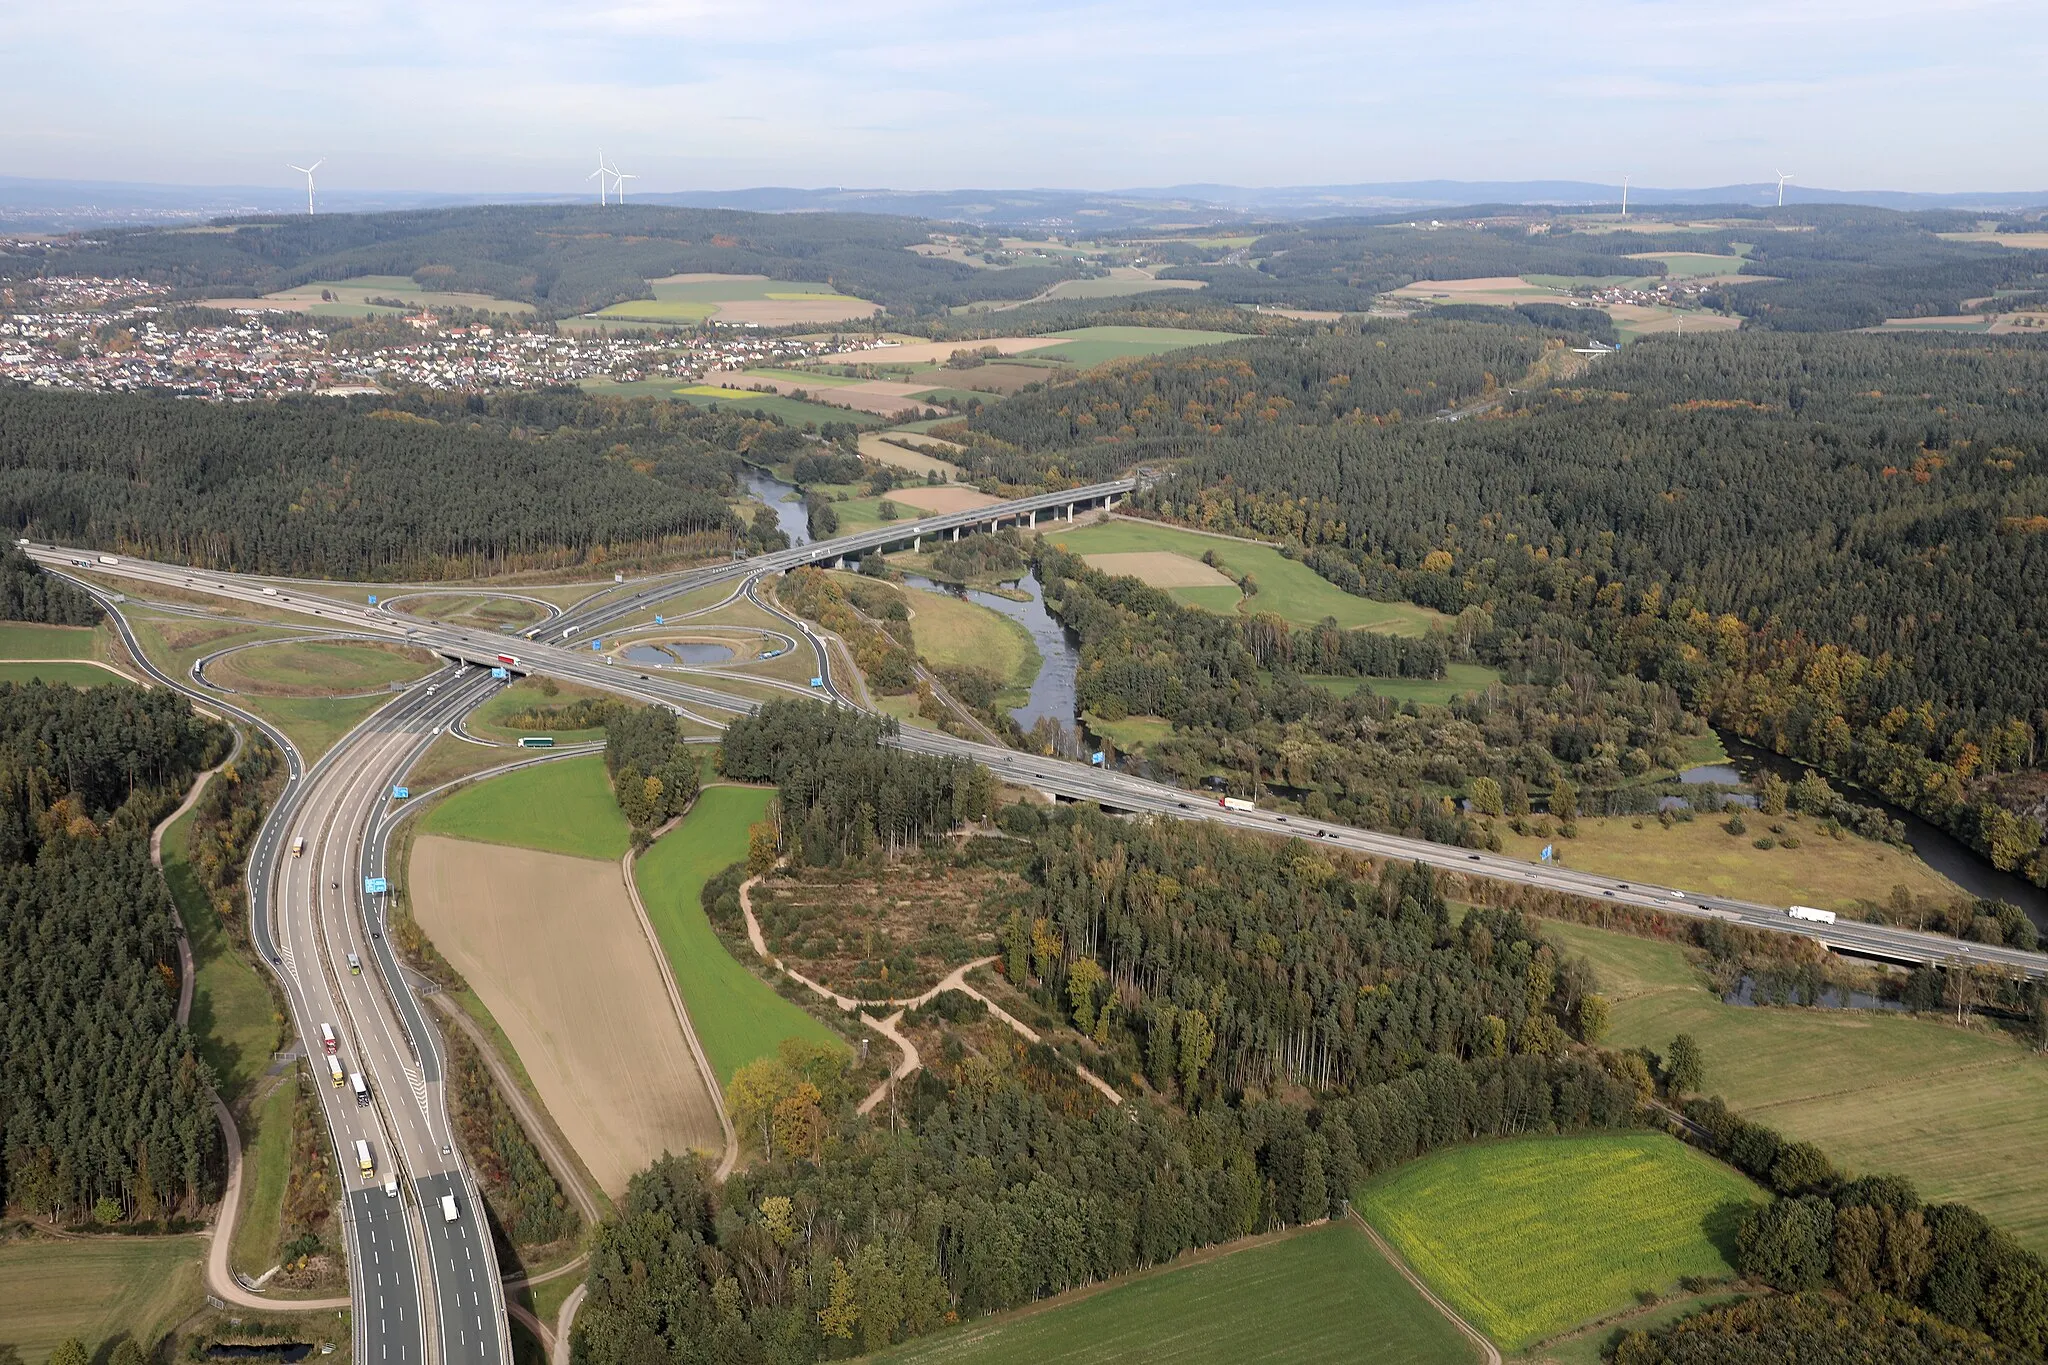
(1958, 1112)
(1285, 587)
(1323, 1294)
(562, 807)
(952, 632)
(319, 668)
(266, 1128)
(485, 610)
(737, 1016)
(59, 674)
(236, 1023)
(234, 1015)
(25, 640)
(315, 724)
(96, 1289)
(1531, 1237)
(1700, 855)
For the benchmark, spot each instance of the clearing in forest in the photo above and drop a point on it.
(553, 948)
(1321, 1294)
(1957, 1111)
(1530, 1237)
(1285, 587)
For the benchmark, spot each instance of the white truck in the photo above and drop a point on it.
(298, 844)
(109, 559)
(1236, 803)
(448, 1213)
(362, 1089)
(1808, 913)
(363, 1161)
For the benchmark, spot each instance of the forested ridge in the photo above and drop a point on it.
(105, 1107)
(1836, 545)
(412, 486)
(564, 258)
(1821, 267)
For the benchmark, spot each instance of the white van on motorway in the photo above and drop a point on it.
(391, 1187)
(448, 1213)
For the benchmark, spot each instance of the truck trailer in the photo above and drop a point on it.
(1236, 803)
(329, 1044)
(1808, 913)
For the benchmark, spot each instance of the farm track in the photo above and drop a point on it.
(1488, 1351)
(955, 980)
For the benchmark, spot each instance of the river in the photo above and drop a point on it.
(794, 520)
(1940, 850)
(1052, 691)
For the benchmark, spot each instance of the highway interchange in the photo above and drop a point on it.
(311, 911)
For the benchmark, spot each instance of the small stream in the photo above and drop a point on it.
(1052, 691)
(790, 516)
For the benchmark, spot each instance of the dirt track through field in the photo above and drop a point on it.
(551, 945)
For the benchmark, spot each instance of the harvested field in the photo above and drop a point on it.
(551, 945)
(937, 352)
(739, 299)
(948, 498)
(791, 312)
(1507, 290)
(1161, 569)
(877, 446)
(867, 395)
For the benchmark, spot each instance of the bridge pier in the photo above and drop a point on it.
(916, 544)
(956, 533)
(1070, 511)
(1032, 524)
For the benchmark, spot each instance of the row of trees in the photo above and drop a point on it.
(406, 487)
(528, 1205)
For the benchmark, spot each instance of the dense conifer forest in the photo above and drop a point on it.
(105, 1107)
(29, 594)
(415, 486)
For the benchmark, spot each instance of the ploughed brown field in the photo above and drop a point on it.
(552, 946)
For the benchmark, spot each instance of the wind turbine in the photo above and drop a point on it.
(598, 175)
(307, 171)
(1624, 196)
(619, 179)
(1782, 178)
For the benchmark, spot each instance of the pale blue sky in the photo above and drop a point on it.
(517, 95)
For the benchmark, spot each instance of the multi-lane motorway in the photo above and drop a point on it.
(310, 911)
